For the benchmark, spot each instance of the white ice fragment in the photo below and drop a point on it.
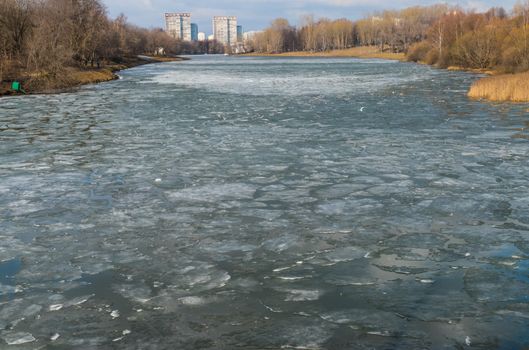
(467, 341)
(359, 284)
(158, 180)
(427, 281)
(114, 314)
(55, 337)
(380, 333)
(303, 295)
(126, 332)
(19, 338)
(367, 256)
(56, 307)
(362, 109)
(282, 269)
(467, 255)
(299, 262)
(276, 311)
(78, 301)
(192, 300)
(117, 339)
(291, 278)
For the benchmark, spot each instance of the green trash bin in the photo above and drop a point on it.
(15, 86)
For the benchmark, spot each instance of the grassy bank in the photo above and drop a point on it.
(354, 52)
(502, 88)
(71, 77)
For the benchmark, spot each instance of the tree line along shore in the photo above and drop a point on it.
(49, 45)
(56, 44)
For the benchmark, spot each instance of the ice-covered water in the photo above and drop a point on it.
(227, 203)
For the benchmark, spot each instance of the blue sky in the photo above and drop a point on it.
(257, 14)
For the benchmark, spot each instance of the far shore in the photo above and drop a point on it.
(353, 52)
(497, 87)
(74, 77)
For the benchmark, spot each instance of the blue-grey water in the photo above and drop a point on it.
(262, 203)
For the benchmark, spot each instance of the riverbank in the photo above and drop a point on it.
(72, 77)
(353, 52)
(497, 87)
(502, 88)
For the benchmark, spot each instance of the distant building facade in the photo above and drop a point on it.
(201, 36)
(194, 31)
(239, 34)
(248, 36)
(211, 37)
(178, 25)
(225, 29)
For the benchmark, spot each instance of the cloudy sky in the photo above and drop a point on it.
(257, 14)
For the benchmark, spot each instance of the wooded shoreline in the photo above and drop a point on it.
(76, 77)
(444, 36)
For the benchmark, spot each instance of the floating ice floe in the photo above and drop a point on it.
(214, 192)
(192, 301)
(427, 281)
(56, 307)
(18, 338)
(468, 341)
(303, 295)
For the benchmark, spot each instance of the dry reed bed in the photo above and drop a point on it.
(508, 87)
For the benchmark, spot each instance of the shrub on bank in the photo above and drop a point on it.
(418, 52)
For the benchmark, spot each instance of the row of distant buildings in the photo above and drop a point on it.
(225, 29)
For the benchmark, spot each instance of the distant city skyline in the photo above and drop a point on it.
(257, 14)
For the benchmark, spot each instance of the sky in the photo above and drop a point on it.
(257, 14)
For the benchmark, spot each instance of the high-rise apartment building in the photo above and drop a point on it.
(201, 36)
(239, 34)
(178, 25)
(225, 29)
(194, 31)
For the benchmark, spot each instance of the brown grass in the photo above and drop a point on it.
(356, 52)
(507, 87)
(81, 77)
(473, 70)
(167, 59)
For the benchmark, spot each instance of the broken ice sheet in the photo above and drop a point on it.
(302, 294)
(17, 338)
(371, 203)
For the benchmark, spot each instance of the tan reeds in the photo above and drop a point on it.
(508, 87)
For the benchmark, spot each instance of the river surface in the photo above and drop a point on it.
(263, 203)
